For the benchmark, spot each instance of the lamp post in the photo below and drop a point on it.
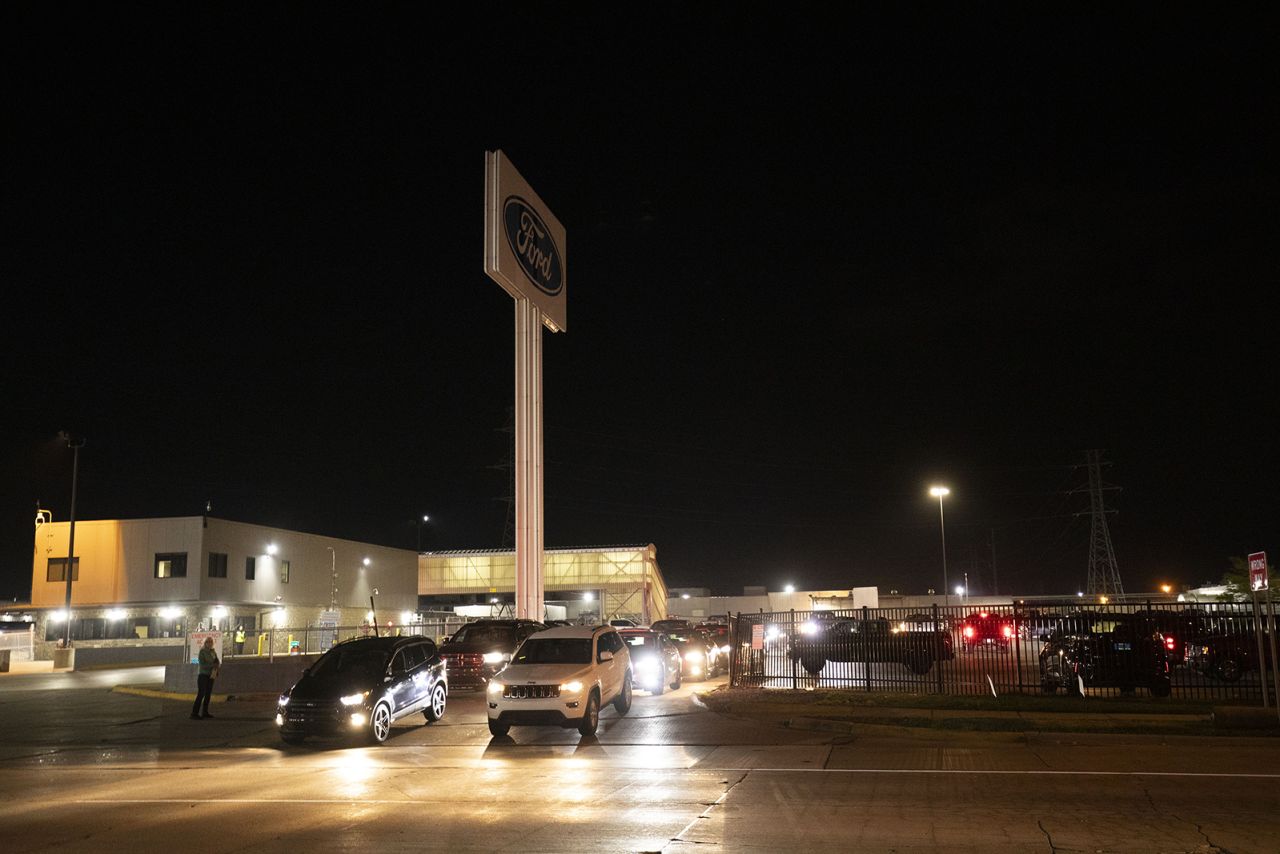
(940, 492)
(425, 518)
(75, 445)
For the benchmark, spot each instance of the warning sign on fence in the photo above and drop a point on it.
(757, 636)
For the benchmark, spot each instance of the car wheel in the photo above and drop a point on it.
(380, 724)
(496, 728)
(590, 717)
(622, 703)
(918, 664)
(675, 686)
(1161, 687)
(813, 664)
(1229, 670)
(435, 708)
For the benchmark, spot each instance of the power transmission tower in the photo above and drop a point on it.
(509, 467)
(1104, 574)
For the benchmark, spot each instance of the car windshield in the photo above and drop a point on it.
(365, 659)
(649, 641)
(671, 626)
(554, 651)
(489, 635)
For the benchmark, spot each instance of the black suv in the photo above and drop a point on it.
(827, 636)
(360, 686)
(480, 649)
(1104, 650)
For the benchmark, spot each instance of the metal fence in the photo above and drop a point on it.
(1208, 651)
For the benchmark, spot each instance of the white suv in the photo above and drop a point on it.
(561, 677)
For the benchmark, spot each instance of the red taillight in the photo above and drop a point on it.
(1169, 643)
(968, 631)
(1007, 631)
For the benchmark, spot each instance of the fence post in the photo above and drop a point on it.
(1017, 644)
(271, 644)
(937, 647)
(791, 633)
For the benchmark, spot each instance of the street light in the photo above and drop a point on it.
(425, 518)
(790, 588)
(939, 492)
(75, 445)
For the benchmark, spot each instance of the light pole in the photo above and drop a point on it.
(425, 518)
(75, 445)
(333, 587)
(940, 492)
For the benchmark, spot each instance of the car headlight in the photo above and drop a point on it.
(725, 649)
(357, 720)
(284, 700)
(495, 687)
(646, 664)
(571, 687)
(279, 720)
(353, 699)
(693, 655)
(771, 633)
(496, 657)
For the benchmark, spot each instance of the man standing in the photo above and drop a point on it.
(208, 660)
(240, 639)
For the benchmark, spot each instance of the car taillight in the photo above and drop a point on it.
(1007, 631)
(968, 631)
(1169, 643)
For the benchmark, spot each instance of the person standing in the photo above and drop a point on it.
(240, 639)
(208, 661)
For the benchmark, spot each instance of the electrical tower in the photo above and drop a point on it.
(1104, 574)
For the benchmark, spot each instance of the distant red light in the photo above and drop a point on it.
(968, 631)
(1007, 631)
(983, 615)
(1169, 643)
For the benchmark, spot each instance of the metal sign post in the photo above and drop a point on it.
(1262, 660)
(524, 252)
(1258, 583)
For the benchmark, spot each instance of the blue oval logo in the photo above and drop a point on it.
(530, 240)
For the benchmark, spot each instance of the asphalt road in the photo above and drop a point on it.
(86, 769)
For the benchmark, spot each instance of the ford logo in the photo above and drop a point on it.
(531, 241)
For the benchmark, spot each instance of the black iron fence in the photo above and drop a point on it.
(1205, 651)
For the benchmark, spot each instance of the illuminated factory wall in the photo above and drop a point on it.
(626, 578)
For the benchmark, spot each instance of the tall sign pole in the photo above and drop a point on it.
(524, 252)
(1258, 583)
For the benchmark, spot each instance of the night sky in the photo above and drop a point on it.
(814, 265)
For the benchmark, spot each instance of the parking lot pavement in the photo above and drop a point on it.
(82, 768)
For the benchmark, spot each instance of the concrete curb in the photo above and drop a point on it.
(190, 698)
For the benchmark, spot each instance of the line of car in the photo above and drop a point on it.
(531, 674)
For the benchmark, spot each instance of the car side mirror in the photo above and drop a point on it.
(606, 656)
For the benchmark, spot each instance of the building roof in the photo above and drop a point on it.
(630, 547)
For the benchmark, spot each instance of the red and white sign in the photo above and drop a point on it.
(196, 642)
(1258, 571)
(757, 636)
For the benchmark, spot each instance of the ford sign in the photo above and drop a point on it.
(533, 246)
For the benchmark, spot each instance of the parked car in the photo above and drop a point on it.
(984, 629)
(361, 686)
(656, 662)
(873, 640)
(562, 677)
(671, 625)
(699, 653)
(1179, 629)
(480, 649)
(1104, 650)
(719, 634)
(1228, 657)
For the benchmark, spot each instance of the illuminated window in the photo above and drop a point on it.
(171, 565)
(57, 569)
(217, 565)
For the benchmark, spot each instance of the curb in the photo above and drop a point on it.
(173, 695)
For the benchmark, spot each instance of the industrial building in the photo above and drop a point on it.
(604, 582)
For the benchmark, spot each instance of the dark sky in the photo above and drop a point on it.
(814, 265)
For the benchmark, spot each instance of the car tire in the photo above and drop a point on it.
(675, 686)
(622, 703)
(590, 716)
(380, 724)
(497, 729)
(435, 704)
(1161, 687)
(813, 664)
(919, 664)
(1230, 670)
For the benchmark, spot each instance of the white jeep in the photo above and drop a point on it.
(562, 677)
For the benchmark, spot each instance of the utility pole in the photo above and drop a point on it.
(1104, 574)
(75, 445)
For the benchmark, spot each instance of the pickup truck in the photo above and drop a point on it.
(867, 641)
